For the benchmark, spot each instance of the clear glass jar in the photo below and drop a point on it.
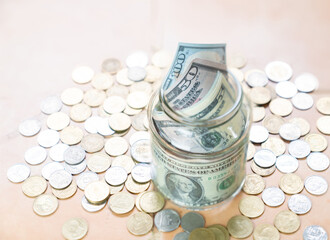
(197, 163)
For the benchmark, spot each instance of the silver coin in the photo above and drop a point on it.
(258, 134)
(115, 176)
(89, 207)
(299, 204)
(316, 185)
(299, 148)
(278, 71)
(85, 178)
(138, 136)
(138, 121)
(56, 153)
(191, 221)
(18, 172)
(141, 151)
(264, 158)
(141, 173)
(167, 220)
(91, 124)
(302, 101)
(256, 78)
(315, 232)
(49, 168)
(103, 127)
(318, 161)
(35, 155)
(273, 196)
(137, 59)
(287, 163)
(111, 65)
(51, 104)
(286, 89)
(289, 131)
(74, 155)
(136, 74)
(306, 82)
(181, 236)
(75, 169)
(48, 138)
(29, 127)
(60, 179)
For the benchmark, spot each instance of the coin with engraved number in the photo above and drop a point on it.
(115, 176)
(302, 101)
(281, 107)
(276, 145)
(34, 186)
(323, 105)
(299, 148)
(251, 206)
(273, 123)
(75, 169)
(18, 172)
(306, 82)
(191, 221)
(278, 71)
(323, 124)
(141, 173)
(35, 155)
(286, 89)
(273, 196)
(82, 74)
(317, 142)
(92, 143)
(152, 202)
(264, 158)
(45, 204)
(86, 178)
(48, 138)
(287, 221)
(289, 131)
(314, 232)
(141, 151)
(121, 202)
(318, 161)
(167, 220)
(265, 231)
(258, 134)
(74, 155)
(139, 223)
(240, 226)
(291, 183)
(72, 96)
(302, 124)
(29, 127)
(299, 204)
(254, 184)
(74, 229)
(97, 192)
(287, 163)
(51, 105)
(111, 65)
(89, 207)
(316, 185)
(49, 168)
(60, 179)
(66, 192)
(256, 78)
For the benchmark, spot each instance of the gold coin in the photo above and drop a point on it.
(137, 100)
(260, 95)
(71, 135)
(116, 146)
(114, 104)
(72, 96)
(254, 184)
(222, 229)
(240, 226)
(131, 111)
(141, 87)
(152, 202)
(276, 145)
(102, 81)
(251, 206)
(139, 223)
(94, 97)
(219, 235)
(323, 105)
(250, 151)
(92, 143)
(80, 112)
(154, 74)
(258, 113)
(97, 192)
(161, 59)
(281, 107)
(75, 228)
(262, 171)
(238, 74)
(135, 187)
(291, 183)
(287, 221)
(125, 162)
(202, 233)
(266, 231)
(57, 121)
(116, 189)
(45, 204)
(323, 124)
(137, 201)
(82, 74)
(122, 77)
(302, 124)
(117, 90)
(120, 122)
(98, 162)
(34, 186)
(317, 142)
(121, 202)
(273, 123)
(66, 192)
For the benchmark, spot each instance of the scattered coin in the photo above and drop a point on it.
(103, 127)
(131, 111)
(74, 155)
(223, 229)
(317, 142)
(102, 81)
(287, 221)
(118, 90)
(278, 71)
(265, 231)
(240, 227)
(29, 127)
(74, 229)
(137, 121)
(302, 124)
(45, 204)
(122, 77)
(264, 158)
(299, 148)
(154, 74)
(72, 96)
(92, 143)
(260, 95)
(35, 155)
(94, 97)
(289, 131)
(111, 65)
(91, 124)
(202, 233)
(152, 202)
(119, 122)
(262, 171)
(80, 112)
(115, 189)
(48, 138)
(191, 221)
(136, 74)
(121, 202)
(276, 145)
(135, 187)
(60, 179)
(34, 186)
(89, 207)
(286, 89)
(302, 101)
(273, 123)
(161, 59)
(167, 220)
(323, 124)
(281, 107)
(323, 105)
(181, 236)
(49, 168)
(114, 104)
(86, 178)
(137, 59)
(141, 151)
(250, 151)
(141, 173)
(291, 183)
(287, 163)
(138, 135)
(236, 60)
(71, 135)
(98, 162)
(82, 74)
(299, 204)
(57, 121)
(256, 78)
(75, 169)
(273, 196)
(141, 87)
(18, 173)
(115, 176)
(66, 192)
(97, 192)
(318, 161)
(125, 162)
(306, 82)
(315, 232)
(251, 206)
(51, 105)
(254, 184)
(137, 100)
(316, 185)
(116, 146)
(258, 134)
(139, 223)
(238, 74)
(258, 113)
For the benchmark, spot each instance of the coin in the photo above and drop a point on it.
(291, 183)
(302, 124)
(139, 223)
(254, 184)
(167, 220)
(137, 59)
(122, 77)
(258, 113)
(97, 192)
(75, 169)
(287, 221)
(317, 142)
(152, 202)
(34, 186)
(35, 155)
(299, 148)
(18, 173)
(114, 104)
(75, 228)
(299, 204)
(289, 131)
(256, 78)
(92, 123)
(315, 232)
(238, 74)
(80, 112)
(141, 87)
(181, 236)
(103, 127)
(48, 138)
(116, 146)
(141, 173)
(258, 134)
(60, 179)
(146, 122)
(281, 107)
(121, 202)
(251, 206)
(302, 101)
(74, 155)
(222, 229)
(92, 143)
(154, 74)
(45, 204)
(115, 176)
(316, 185)
(102, 81)
(136, 74)
(264, 158)
(276, 145)
(89, 207)
(262, 171)
(191, 221)
(137, 121)
(273, 196)
(118, 90)
(135, 187)
(240, 226)
(137, 201)
(278, 71)
(141, 151)
(66, 192)
(202, 233)
(306, 82)
(119, 122)
(49, 168)
(72, 96)
(137, 100)
(125, 162)
(318, 161)
(57, 121)
(323, 105)
(115, 189)
(131, 111)
(260, 95)
(138, 135)
(236, 60)
(98, 162)
(86, 178)
(111, 65)
(51, 104)
(94, 97)
(287, 163)
(323, 124)
(266, 231)
(29, 127)
(161, 58)
(250, 151)
(71, 135)
(286, 89)
(273, 123)
(82, 74)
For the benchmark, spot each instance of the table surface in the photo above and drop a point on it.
(42, 41)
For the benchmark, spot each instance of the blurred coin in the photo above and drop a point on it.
(131, 111)
(299, 204)
(66, 192)
(29, 127)
(118, 90)
(262, 171)
(181, 236)
(137, 59)
(291, 183)
(82, 74)
(135, 187)
(89, 207)
(323, 105)
(318, 161)
(260, 95)
(71, 135)
(273, 123)
(72, 96)
(98, 162)
(115, 189)
(278, 71)
(136, 74)
(75, 228)
(18, 173)
(122, 77)
(258, 113)
(35, 155)
(287, 221)
(154, 74)
(114, 104)
(254, 184)
(289, 131)
(313, 232)
(286, 89)
(91, 124)
(222, 229)
(161, 59)
(317, 142)
(167, 220)
(74, 155)
(191, 221)
(240, 226)
(202, 233)
(116, 146)
(34, 186)
(49, 168)
(60, 179)
(137, 121)
(287, 163)
(137, 100)
(141, 151)
(323, 124)
(86, 178)
(102, 81)
(281, 107)
(80, 112)
(146, 122)
(103, 127)
(265, 231)
(306, 82)
(238, 74)
(57, 121)
(92, 143)
(299, 148)
(251, 206)
(111, 65)
(48, 138)
(139, 223)
(236, 60)
(273, 196)
(302, 124)
(141, 173)
(115, 176)
(302, 101)
(97, 192)
(75, 169)
(264, 158)
(125, 162)
(121, 202)
(250, 151)
(137, 201)
(51, 104)
(119, 122)
(276, 145)
(316, 185)
(152, 202)
(94, 97)
(45, 204)
(258, 134)
(256, 78)
(141, 87)
(139, 135)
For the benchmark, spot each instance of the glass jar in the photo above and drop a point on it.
(197, 163)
